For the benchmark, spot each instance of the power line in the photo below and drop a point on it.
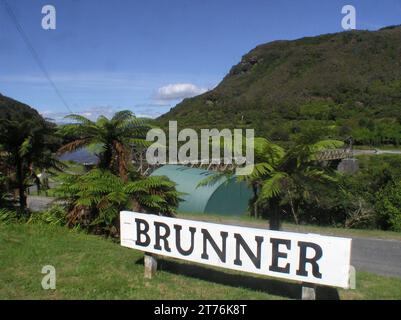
(34, 53)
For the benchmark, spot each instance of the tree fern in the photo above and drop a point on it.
(115, 138)
(95, 199)
(282, 177)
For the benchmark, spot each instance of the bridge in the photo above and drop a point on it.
(220, 165)
(335, 154)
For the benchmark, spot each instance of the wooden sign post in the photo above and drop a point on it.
(150, 263)
(308, 291)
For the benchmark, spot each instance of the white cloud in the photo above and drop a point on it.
(140, 111)
(92, 113)
(178, 91)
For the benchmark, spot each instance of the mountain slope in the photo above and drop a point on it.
(349, 82)
(11, 109)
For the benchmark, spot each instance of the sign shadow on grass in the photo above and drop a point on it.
(269, 286)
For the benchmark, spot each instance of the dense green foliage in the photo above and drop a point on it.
(4, 192)
(348, 83)
(388, 205)
(367, 199)
(8, 216)
(290, 185)
(378, 185)
(92, 200)
(55, 216)
(27, 145)
(95, 199)
(13, 110)
(284, 178)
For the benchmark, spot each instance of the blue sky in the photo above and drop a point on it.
(147, 55)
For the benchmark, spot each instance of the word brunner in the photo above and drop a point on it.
(163, 232)
(304, 257)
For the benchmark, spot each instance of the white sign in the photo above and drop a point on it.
(303, 257)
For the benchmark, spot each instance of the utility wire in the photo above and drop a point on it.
(34, 53)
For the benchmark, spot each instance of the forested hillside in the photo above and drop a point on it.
(347, 83)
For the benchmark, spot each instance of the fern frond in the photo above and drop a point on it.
(74, 145)
(272, 186)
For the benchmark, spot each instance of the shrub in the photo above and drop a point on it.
(95, 199)
(56, 215)
(388, 206)
(8, 216)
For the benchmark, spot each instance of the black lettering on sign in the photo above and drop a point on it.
(240, 242)
(208, 238)
(159, 237)
(303, 260)
(276, 255)
(178, 229)
(143, 232)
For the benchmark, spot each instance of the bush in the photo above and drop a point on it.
(95, 199)
(8, 216)
(388, 206)
(56, 215)
(5, 201)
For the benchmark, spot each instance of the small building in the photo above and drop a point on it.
(224, 197)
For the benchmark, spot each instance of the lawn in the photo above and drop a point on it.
(90, 267)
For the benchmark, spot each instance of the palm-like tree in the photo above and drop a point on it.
(280, 176)
(27, 145)
(4, 192)
(115, 137)
(95, 198)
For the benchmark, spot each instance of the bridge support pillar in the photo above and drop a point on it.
(349, 165)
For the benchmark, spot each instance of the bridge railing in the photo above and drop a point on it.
(222, 164)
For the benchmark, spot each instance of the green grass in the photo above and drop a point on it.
(90, 267)
(374, 287)
(261, 223)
